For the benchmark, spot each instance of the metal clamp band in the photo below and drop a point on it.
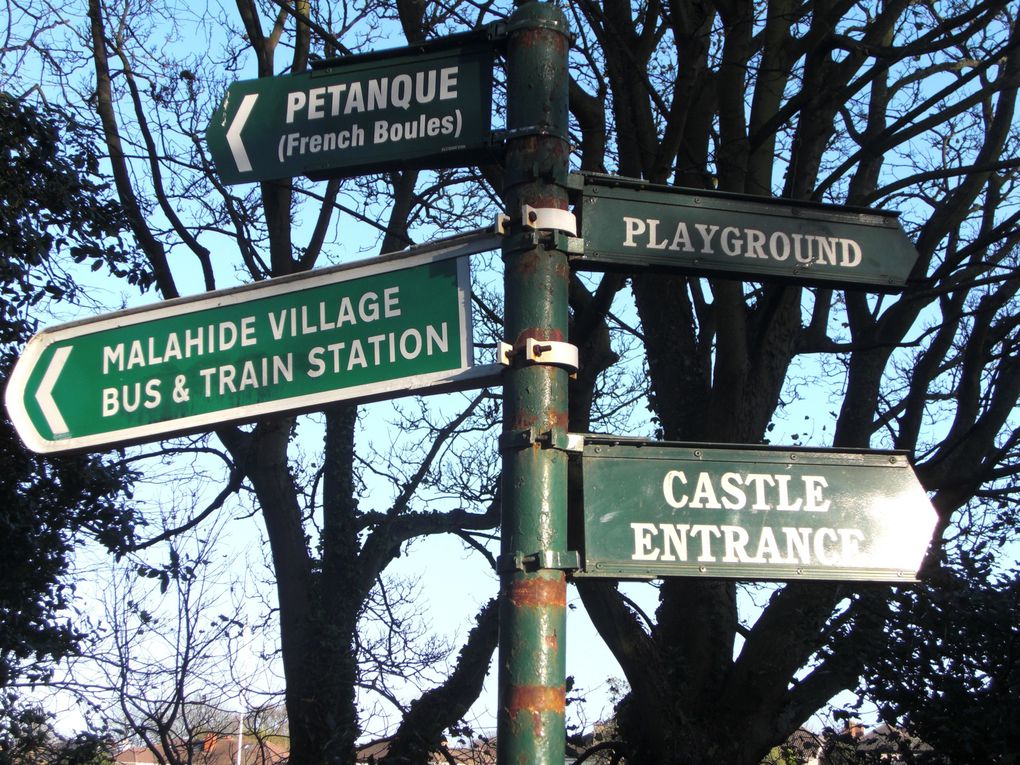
(563, 27)
(540, 219)
(557, 438)
(549, 219)
(534, 351)
(557, 560)
(527, 131)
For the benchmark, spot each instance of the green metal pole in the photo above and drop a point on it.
(532, 666)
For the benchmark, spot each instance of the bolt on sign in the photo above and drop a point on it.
(427, 105)
(653, 509)
(635, 225)
(371, 330)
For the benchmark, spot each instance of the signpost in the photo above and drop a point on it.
(428, 106)
(633, 225)
(375, 329)
(660, 509)
(533, 525)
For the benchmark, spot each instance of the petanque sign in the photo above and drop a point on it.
(382, 328)
(638, 226)
(426, 106)
(658, 509)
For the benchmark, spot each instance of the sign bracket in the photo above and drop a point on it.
(556, 438)
(542, 219)
(532, 351)
(548, 219)
(529, 239)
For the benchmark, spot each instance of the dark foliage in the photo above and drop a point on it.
(950, 671)
(51, 208)
(43, 504)
(53, 204)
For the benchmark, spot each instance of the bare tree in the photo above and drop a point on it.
(881, 104)
(153, 77)
(891, 104)
(160, 668)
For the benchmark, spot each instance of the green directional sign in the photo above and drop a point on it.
(427, 106)
(634, 225)
(658, 509)
(373, 330)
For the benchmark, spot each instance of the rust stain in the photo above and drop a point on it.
(536, 37)
(523, 422)
(542, 421)
(537, 700)
(553, 642)
(557, 418)
(528, 262)
(539, 593)
(552, 200)
(541, 334)
(532, 36)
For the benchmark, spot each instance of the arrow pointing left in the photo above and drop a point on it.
(234, 133)
(44, 396)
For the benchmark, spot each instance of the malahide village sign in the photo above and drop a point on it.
(376, 329)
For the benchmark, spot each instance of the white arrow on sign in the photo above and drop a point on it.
(44, 396)
(234, 133)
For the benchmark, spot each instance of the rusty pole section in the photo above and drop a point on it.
(532, 666)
